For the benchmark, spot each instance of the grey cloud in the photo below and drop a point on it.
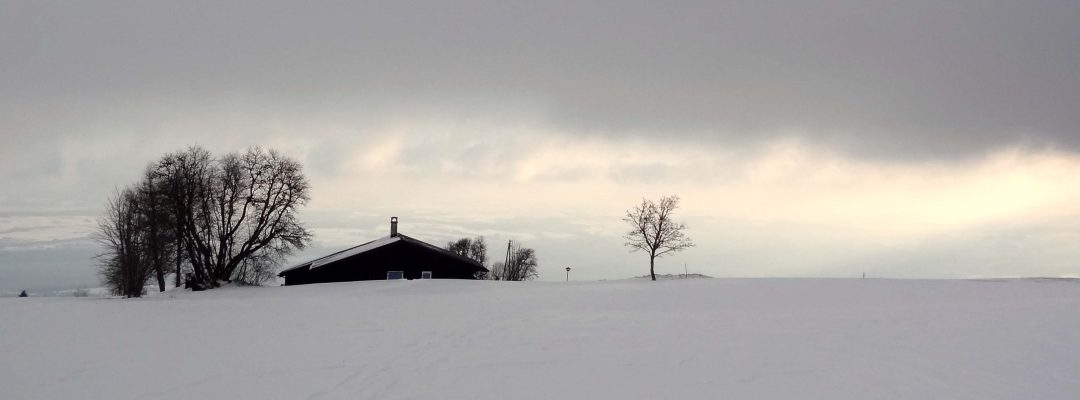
(891, 79)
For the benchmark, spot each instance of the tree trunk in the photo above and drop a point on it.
(179, 259)
(161, 277)
(652, 264)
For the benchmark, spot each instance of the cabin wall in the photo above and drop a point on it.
(373, 265)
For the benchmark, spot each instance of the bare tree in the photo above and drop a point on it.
(123, 233)
(520, 264)
(160, 240)
(186, 177)
(654, 232)
(231, 218)
(478, 250)
(474, 249)
(240, 209)
(259, 268)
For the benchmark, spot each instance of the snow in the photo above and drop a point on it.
(630, 339)
(79, 292)
(666, 277)
(374, 244)
(352, 251)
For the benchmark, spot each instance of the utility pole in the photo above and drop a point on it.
(506, 261)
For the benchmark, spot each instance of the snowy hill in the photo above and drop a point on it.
(668, 277)
(678, 339)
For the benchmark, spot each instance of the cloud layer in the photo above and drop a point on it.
(833, 134)
(896, 80)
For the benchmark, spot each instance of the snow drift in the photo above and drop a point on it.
(680, 339)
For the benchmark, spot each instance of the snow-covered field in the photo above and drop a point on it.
(679, 339)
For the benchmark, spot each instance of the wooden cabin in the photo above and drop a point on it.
(392, 257)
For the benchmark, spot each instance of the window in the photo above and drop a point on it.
(425, 275)
(393, 275)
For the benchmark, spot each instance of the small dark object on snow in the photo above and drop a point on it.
(191, 283)
(23, 294)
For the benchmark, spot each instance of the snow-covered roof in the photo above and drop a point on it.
(372, 245)
(349, 252)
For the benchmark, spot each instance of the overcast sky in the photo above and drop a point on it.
(914, 139)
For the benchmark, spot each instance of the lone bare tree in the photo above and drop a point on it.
(654, 232)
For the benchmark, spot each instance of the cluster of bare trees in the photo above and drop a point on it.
(653, 230)
(213, 219)
(472, 248)
(519, 264)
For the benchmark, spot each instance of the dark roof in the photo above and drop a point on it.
(372, 245)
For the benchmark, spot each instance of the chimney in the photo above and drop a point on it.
(393, 226)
